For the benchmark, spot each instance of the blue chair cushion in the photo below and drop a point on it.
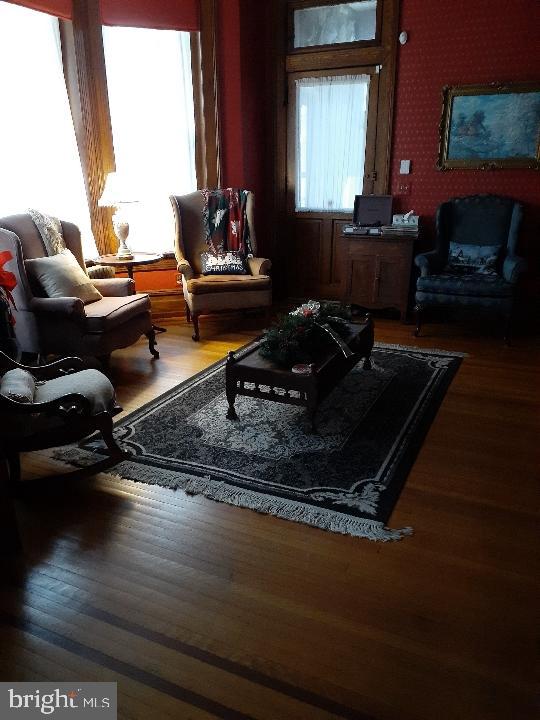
(472, 285)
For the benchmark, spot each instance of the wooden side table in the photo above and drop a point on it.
(137, 259)
(377, 271)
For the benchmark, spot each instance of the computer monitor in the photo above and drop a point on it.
(372, 210)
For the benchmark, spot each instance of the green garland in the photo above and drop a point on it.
(299, 339)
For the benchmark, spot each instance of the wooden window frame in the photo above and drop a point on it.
(86, 80)
(305, 4)
(371, 132)
(206, 98)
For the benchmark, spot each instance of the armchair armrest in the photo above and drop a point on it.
(513, 267)
(64, 366)
(99, 272)
(185, 268)
(114, 287)
(430, 263)
(68, 406)
(67, 307)
(259, 266)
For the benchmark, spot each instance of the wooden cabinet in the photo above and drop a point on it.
(377, 271)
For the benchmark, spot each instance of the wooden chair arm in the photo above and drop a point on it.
(64, 366)
(69, 405)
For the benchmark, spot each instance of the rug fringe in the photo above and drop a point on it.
(219, 491)
(427, 351)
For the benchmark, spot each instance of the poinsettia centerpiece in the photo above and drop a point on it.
(300, 336)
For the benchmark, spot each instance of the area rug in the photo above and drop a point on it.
(345, 478)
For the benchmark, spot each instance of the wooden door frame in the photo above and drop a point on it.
(383, 55)
(371, 132)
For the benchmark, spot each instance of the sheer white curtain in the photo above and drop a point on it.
(331, 123)
(151, 102)
(40, 164)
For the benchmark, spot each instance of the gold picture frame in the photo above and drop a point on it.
(490, 127)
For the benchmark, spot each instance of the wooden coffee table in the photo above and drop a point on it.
(248, 373)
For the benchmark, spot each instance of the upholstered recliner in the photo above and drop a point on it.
(64, 325)
(485, 228)
(206, 294)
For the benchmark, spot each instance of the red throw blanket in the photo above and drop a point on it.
(225, 220)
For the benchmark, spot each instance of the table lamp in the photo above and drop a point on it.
(117, 194)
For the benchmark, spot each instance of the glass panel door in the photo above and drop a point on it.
(331, 138)
(331, 125)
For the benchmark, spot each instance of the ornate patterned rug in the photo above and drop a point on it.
(345, 478)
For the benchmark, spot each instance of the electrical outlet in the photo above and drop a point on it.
(404, 187)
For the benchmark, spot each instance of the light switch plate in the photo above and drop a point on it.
(404, 167)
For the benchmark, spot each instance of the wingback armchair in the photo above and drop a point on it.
(206, 294)
(474, 263)
(64, 325)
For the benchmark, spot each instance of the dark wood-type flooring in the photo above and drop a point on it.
(201, 610)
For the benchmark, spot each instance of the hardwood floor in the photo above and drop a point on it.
(198, 609)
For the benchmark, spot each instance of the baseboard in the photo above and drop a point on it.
(167, 305)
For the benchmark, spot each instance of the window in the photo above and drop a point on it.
(151, 103)
(331, 124)
(41, 167)
(335, 24)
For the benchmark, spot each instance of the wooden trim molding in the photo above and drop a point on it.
(314, 236)
(382, 56)
(84, 68)
(385, 105)
(167, 305)
(163, 264)
(206, 98)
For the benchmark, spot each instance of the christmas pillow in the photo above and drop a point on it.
(473, 259)
(225, 263)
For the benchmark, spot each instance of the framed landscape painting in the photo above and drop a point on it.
(486, 127)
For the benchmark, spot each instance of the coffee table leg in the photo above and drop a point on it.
(367, 363)
(312, 408)
(231, 395)
(230, 387)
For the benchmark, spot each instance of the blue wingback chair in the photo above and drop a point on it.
(474, 263)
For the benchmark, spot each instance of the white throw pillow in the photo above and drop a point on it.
(62, 276)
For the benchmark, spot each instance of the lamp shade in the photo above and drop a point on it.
(118, 190)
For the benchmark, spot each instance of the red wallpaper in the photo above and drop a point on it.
(230, 76)
(453, 43)
(242, 67)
